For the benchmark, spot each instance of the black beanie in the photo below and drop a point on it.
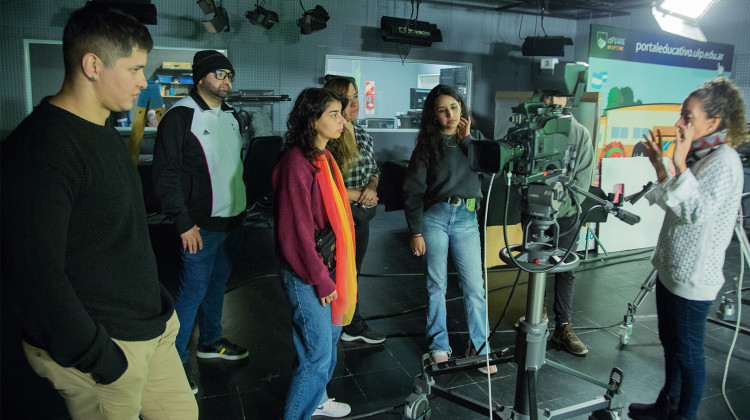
(206, 61)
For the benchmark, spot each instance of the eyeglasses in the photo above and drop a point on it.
(221, 75)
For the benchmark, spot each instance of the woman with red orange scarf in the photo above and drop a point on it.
(309, 197)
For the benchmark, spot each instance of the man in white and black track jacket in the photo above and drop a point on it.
(198, 178)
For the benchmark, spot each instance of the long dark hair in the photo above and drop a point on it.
(720, 97)
(430, 145)
(308, 108)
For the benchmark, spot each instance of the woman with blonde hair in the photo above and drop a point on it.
(353, 151)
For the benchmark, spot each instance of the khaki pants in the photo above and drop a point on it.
(154, 385)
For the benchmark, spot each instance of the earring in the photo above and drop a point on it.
(92, 78)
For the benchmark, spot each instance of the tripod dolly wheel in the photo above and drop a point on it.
(626, 329)
(417, 407)
(604, 415)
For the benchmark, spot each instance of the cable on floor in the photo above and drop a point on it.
(744, 248)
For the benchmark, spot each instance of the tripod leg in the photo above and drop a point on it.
(531, 346)
(532, 377)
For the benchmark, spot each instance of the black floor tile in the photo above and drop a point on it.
(377, 379)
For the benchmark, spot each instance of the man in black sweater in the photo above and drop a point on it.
(78, 268)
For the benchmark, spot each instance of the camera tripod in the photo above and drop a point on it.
(536, 258)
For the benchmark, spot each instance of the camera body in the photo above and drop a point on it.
(536, 147)
(541, 131)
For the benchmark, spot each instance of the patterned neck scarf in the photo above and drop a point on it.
(700, 148)
(340, 216)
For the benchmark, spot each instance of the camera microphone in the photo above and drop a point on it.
(637, 196)
(627, 216)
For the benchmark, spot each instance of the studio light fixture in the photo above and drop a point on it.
(680, 17)
(545, 46)
(219, 23)
(262, 16)
(410, 32)
(313, 20)
(691, 9)
(207, 6)
(142, 10)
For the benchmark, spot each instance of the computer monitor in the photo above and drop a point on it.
(417, 97)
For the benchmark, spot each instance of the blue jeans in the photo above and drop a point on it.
(682, 327)
(456, 229)
(202, 287)
(315, 339)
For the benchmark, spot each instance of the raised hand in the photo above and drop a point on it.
(655, 152)
(684, 139)
(464, 127)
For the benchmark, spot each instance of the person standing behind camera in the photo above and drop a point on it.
(441, 193)
(700, 202)
(354, 154)
(309, 197)
(579, 141)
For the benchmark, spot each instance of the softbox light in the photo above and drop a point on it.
(313, 20)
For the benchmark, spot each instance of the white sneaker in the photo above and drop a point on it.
(332, 408)
(440, 356)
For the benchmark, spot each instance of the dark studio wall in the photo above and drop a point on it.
(285, 61)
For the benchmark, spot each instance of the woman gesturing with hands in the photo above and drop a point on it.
(700, 205)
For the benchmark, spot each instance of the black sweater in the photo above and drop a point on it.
(77, 263)
(451, 176)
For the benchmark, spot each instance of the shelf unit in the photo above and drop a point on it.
(173, 90)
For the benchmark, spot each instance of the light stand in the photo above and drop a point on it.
(538, 255)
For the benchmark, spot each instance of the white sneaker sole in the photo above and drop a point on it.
(203, 355)
(347, 337)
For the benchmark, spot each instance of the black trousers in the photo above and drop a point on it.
(563, 306)
(361, 239)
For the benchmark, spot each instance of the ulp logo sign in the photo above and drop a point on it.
(601, 39)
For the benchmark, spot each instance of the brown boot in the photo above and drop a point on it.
(567, 339)
(664, 407)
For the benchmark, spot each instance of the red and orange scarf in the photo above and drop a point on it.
(339, 214)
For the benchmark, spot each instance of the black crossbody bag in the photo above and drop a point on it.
(325, 244)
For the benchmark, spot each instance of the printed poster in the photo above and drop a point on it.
(644, 77)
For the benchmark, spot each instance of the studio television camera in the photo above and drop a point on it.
(536, 147)
(536, 157)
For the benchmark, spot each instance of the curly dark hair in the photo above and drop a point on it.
(308, 108)
(430, 146)
(721, 97)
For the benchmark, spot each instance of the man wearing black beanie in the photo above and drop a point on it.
(198, 178)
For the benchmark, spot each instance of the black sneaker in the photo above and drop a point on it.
(367, 335)
(189, 375)
(222, 349)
